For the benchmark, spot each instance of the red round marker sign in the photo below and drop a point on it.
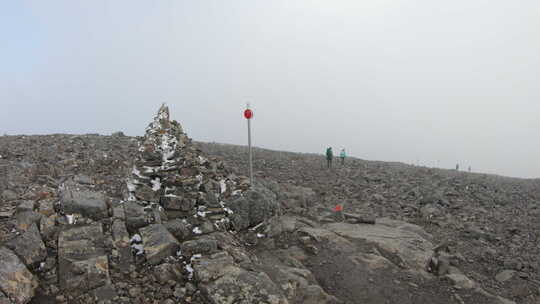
(248, 114)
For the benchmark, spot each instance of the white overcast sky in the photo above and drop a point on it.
(438, 82)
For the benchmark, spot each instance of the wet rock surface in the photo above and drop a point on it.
(161, 219)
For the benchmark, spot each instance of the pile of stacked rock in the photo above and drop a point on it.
(173, 179)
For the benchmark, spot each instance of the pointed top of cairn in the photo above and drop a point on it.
(174, 177)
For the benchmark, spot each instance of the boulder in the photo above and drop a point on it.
(179, 228)
(25, 206)
(505, 275)
(167, 272)
(121, 243)
(237, 285)
(461, 281)
(82, 261)
(47, 227)
(25, 219)
(136, 216)
(405, 244)
(158, 243)
(16, 282)
(252, 208)
(46, 207)
(212, 267)
(199, 246)
(88, 203)
(29, 246)
(83, 179)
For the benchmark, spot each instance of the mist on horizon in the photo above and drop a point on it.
(433, 83)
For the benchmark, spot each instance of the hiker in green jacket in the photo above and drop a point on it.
(342, 155)
(329, 156)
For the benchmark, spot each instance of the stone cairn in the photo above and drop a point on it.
(168, 240)
(173, 179)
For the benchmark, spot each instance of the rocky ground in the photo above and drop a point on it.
(79, 225)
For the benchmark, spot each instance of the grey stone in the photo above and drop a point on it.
(25, 219)
(237, 285)
(136, 216)
(172, 202)
(202, 246)
(88, 203)
(46, 207)
(9, 195)
(408, 245)
(164, 273)
(47, 227)
(119, 212)
(145, 193)
(83, 179)
(158, 243)
(121, 243)
(251, 209)
(29, 246)
(16, 281)
(212, 267)
(104, 293)
(505, 275)
(460, 281)
(82, 261)
(25, 206)
(178, 228)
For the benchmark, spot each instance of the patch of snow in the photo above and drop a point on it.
(222, 186)
(41, 265)
(156, 184)
(196, 257)
(131, 187)
(131, 197)
(260, 235)
(71, 219)
(237, 192)
(201, 213)
(190, 271)
(179, 253)
(259, 225)
(197, 230)
(136, 238)
(138, 248)
(229, 211)
(137, 173)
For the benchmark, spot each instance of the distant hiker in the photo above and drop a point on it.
(342, 155)
(329, 156)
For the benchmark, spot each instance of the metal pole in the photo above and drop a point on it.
(250, 154)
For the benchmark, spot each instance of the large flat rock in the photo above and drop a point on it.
(82, 261)
(121, 243)
(29, 246)
(158, 243)
(237, 285)
(16, 281)
(88, 203)
(405, 244)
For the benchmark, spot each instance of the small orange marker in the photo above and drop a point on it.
(338, 208)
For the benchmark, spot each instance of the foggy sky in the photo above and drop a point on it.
(434, 82)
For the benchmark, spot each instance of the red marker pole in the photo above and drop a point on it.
(248, 114)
